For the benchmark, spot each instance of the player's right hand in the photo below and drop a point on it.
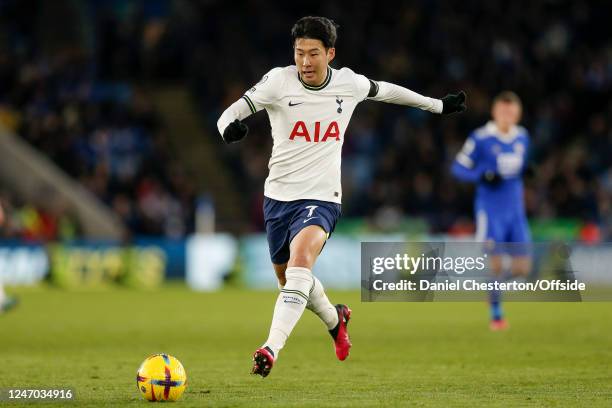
(453, 103)
(235, 132)
(491, 177)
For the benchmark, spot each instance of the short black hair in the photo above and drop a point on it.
(317, 28)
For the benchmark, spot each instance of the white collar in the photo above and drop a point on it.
(492, 129)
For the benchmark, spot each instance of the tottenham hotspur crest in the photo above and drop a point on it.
(339, 102)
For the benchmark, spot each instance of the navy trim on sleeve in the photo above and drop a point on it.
(250, 103)
(373, 89)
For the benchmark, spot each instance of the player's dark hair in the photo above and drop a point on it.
(507, 97)
(316, 28)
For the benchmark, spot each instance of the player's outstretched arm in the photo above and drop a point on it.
(260, 96)
(230, 124)
(391, 93)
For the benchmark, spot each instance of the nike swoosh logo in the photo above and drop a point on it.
(308, 219)
(295, 104)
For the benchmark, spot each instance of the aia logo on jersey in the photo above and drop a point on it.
(300, 130)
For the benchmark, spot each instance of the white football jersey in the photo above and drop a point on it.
(308, 126)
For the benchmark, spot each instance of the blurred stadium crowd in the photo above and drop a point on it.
(102, 131)
(84, 107)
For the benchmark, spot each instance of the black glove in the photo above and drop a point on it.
(235, 132)
(452, 103)
(491, 177)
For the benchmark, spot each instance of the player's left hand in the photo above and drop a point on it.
(452, 103)
(235, 132)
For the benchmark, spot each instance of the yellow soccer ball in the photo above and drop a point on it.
(161, 378)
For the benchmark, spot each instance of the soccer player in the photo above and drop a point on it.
(309, 105)
(494, 157)
(6, 302)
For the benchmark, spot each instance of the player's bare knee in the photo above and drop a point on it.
(496, 265)
(521, 268)
(520, 273)
(302, 260)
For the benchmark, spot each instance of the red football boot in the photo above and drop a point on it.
(263, 360)
(499, 325)
(340, 332)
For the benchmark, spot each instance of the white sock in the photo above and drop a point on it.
(289, 307)
(321, 306)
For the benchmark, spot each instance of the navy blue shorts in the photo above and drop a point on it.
(284, 219)
(509, 230)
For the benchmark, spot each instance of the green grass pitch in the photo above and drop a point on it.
(404, 354)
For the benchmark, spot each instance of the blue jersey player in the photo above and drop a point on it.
(494, 158)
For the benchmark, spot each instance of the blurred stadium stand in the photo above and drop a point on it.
(124, 96)
(69, 210)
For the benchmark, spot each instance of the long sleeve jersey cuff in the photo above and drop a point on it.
(237, 110)
(391, 93)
